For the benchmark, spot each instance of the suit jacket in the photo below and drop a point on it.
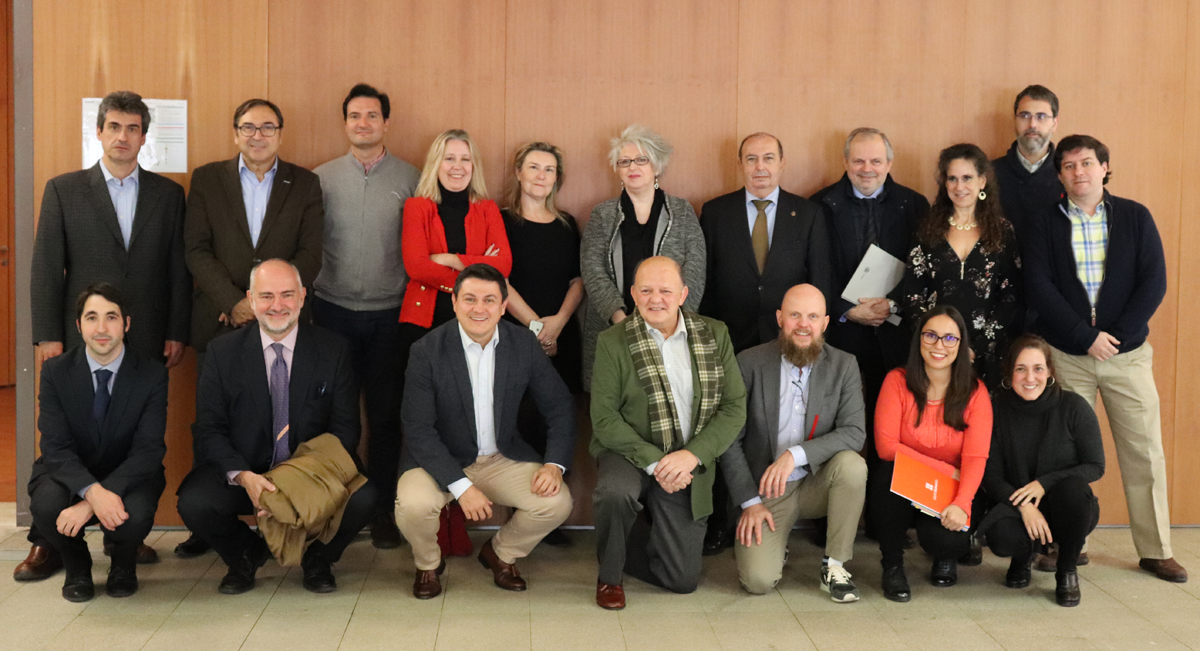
(123, 452)
(621, 416)
(835, 402)
(734, 290)
(438, 410)
(220, 253)
(79, 243)
(233, 428)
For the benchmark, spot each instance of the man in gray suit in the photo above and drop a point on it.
(119, 224)
(798, 455)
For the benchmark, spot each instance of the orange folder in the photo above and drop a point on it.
(930, 484)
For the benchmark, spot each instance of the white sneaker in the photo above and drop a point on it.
(836, 581)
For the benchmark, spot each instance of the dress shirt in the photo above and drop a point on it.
(289, 349)
(1089, 241)
(94, 366)
(481, 365)
(874, 195)
(793, 410)
(367, 166)
(124, 194)
(677, 359)
(255, 195)
(752, 212)
(1033, 167)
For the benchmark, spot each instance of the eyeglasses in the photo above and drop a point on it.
(640, 160)
(931, 338)
(1037, 117)
(267, 130)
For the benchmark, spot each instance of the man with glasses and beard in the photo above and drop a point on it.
(798, 455)
(1028, 185)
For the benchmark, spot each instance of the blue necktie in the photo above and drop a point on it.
(279, 406)
(100, 403)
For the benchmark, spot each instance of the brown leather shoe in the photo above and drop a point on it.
(145, 554)
(1166, 569)
(610, 597)
(41, 563)
(427, 585)
(1049, 562)
(505, 575)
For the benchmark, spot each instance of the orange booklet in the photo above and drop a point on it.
(929, 483)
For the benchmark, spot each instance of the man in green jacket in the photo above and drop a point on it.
(667, 400)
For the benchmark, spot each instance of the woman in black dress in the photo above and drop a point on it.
(966, 256)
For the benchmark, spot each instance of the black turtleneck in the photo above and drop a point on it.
(637, 240)
(453, 213)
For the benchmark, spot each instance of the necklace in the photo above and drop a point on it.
(962, 227)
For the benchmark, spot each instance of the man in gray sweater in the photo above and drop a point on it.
(362, 279)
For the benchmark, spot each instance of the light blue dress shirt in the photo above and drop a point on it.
(94, 366)
(124, 195)
(752, 212)
(793, 410)
(255, 195)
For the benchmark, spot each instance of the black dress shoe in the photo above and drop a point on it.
(384, 532)
(974, 555)
(895, 584)
(79, 588)
(318, 573)
(557, 538)
(122, 581)
(41, 563)
(944, 573)
(1020, 572)
(717, 541)
(240, 577)
(192, 547)
(1066, 588)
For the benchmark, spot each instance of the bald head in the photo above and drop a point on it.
(659, 292)
(806, 297)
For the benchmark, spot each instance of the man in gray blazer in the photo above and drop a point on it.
(798, 455)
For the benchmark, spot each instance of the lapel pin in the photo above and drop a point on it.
(793, 213)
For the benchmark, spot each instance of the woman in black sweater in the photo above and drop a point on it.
(1046, 450)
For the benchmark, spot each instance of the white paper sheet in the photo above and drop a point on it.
(876, 276)
(166, 141)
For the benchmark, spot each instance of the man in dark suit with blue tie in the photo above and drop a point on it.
(263, 391)
(103, 417)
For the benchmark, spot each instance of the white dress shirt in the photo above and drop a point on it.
(752, 212)
(677, 359)
(256, 195)
(1033, 167)
(481, 365)
(124, 194)
(793, 410)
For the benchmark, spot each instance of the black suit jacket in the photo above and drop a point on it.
(220, 253)
(734, 291)
(438, 411)
(233, 428)
(125, 451)
(79, 243)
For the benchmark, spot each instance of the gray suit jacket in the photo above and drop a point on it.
(79, 243)
(835, 402)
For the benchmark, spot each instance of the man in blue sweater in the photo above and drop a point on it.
(1096, 274)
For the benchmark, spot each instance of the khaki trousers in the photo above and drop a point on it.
(1126, 384)
(836, 491)
(419, 502)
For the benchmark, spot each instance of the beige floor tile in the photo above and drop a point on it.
(654, 631)
(34, 626)
(484, 631)
(202, 632)
(1020, 629)
(941, 631)
(1181, 621)
(723, 591)
(291, 597)
(203, 598)
(564, 596)
(857, 629)
(470, 589)
(737, 631)
(1119, 631)
(107, 632)
(641, 597)
(311, 631)
(597, 630)
(386, 633)
(7, 585)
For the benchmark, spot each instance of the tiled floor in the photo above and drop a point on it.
(178, 607)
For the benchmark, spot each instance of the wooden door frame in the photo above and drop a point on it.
(23, 199)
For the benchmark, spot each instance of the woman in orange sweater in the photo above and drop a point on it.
(938, 409)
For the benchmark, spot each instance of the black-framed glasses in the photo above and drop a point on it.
(931, 338)
(640, 160)
(1038, 117)
(267, 130)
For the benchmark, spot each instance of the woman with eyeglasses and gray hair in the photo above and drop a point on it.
(641, 223)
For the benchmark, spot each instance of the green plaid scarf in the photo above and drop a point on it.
(647, 360)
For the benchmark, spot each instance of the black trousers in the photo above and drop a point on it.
(894, 515)
(1071, 510)
(664, 551)
(375, 344)
(48, 499)
(873, 369)
(210, 507)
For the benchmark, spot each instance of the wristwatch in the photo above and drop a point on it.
(892, 307)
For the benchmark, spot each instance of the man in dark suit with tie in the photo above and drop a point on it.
(119, 224)
(240, 212)
(103, 417)
(263, 391)
(463, 388)
(761, 241)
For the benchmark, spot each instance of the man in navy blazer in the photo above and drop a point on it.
(463, 387)
(251, 415)
(103, 417)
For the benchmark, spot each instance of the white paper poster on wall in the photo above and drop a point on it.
(166, 141)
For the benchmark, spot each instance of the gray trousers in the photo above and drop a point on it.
(666, 551)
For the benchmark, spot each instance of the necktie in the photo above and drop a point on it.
(869, 231)
(100, 403)
(279, 406)
(758, 236)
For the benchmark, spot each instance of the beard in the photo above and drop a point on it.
(1033, 142)
(801, 356)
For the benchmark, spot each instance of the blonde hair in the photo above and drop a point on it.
(428, 185)
(654, 146)
(514, 193)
